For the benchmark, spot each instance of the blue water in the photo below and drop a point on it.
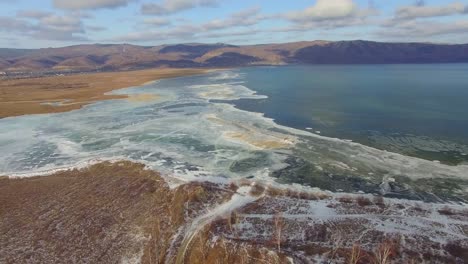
(421, 110)
(190, 130)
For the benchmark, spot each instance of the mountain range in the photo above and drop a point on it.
(108, 57)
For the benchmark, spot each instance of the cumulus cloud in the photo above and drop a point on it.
(96, 28)
(44, 25)
(32, 14)
(415, 23)
(189, 31)
(55, 27)
(248, 32)
(420, 10)
(9, 24)
(324, 10)
(183, 32)
(247, 17)
(328, 14)
(420, 30)
(73, 21)
(89, 4)
(157, 21)
(168, 7)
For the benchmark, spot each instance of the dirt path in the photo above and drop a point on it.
(241, 198)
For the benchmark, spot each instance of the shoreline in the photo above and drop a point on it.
(59, 94)
(125, 163)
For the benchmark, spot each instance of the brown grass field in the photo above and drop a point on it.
(38, 95)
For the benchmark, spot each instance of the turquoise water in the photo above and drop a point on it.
(419, 110)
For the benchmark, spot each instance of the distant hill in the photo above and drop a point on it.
(126, 57)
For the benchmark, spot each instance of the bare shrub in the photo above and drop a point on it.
(417, 207)
(244, 182)
(322, 196)
(379, 201)
(223, 254)
(232, 221)
(244, 254)
(275, 192)
(384, 252)
(304, 195)
(446, 211)
(363, 201)
(457, 250)
(289, 193)
(336, 243)
(257, 189)
(159, 242)
(345, 199)
(356, 255)
(279, 225)
(233, 187)
(201, 248)
(313, 196)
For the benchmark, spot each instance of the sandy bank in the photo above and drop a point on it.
(65, 93)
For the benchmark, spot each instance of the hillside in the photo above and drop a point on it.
(127, 57)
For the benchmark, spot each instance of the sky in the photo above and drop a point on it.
(56, 23)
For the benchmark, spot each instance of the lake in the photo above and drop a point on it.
(264, 123)
(418, 110)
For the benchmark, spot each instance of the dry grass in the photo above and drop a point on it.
(101, 214)
(96, 213)
(27, 96)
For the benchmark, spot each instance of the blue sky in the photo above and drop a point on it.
(54, 23)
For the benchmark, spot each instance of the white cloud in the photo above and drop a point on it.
(421, 11)
(329, 14)
(157, 21)
(325, 10)
(424, 30)
(414, 23)
(247, 17)
(248, 32)
(96, 28)
(9, 24)
(173, 6)
(189, 31)
(32, 14)
(89, 4)
(44, 25)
